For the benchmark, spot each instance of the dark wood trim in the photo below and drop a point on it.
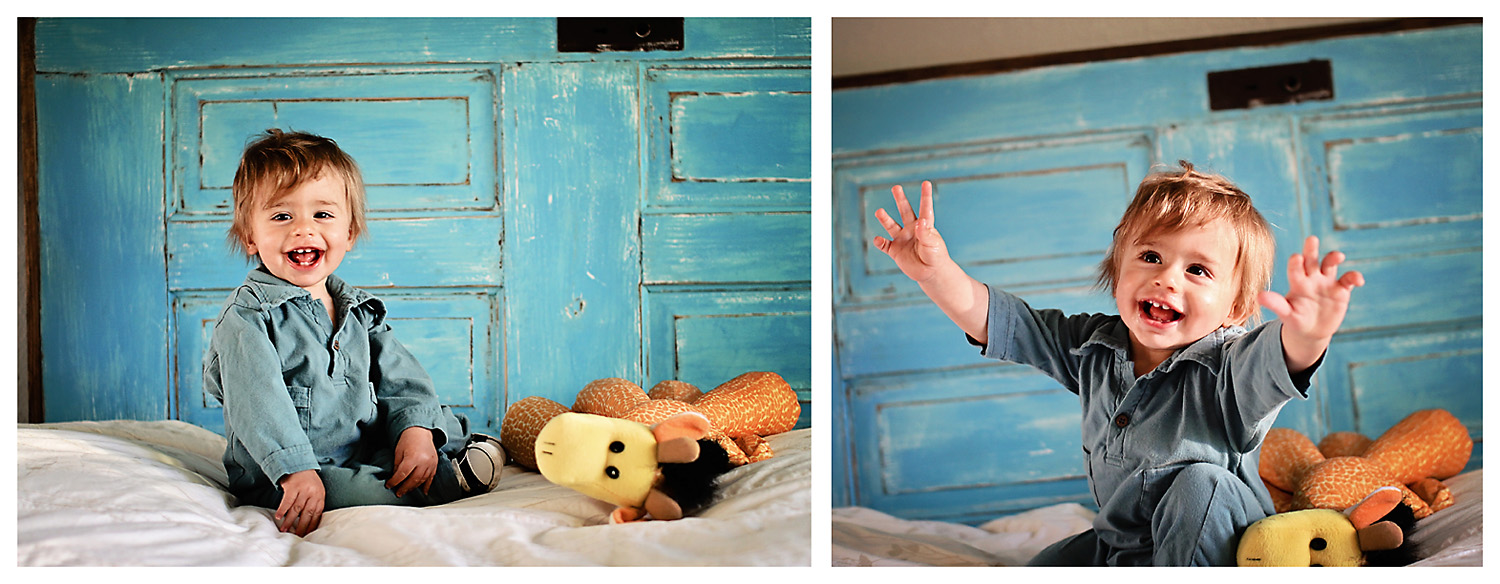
(1277, 37)
(29, 386)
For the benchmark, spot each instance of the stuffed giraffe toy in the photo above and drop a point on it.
(740, 412)
(1413, 456)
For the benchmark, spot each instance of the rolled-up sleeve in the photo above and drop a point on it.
(244, 373)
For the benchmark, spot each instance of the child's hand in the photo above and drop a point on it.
(416, 461)
(915, 246)
(301, 509)
(1314, 307)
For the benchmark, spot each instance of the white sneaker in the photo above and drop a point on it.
(479, 467)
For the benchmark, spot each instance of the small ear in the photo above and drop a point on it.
(1380, 537)
(680, 449)
(660, 506)
(626, 515)
(690, 425)
(1373, 507)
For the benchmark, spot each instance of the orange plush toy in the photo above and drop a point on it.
(1413, 456)
(740, 412)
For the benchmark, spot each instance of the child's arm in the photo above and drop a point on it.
(919, 251)
(1314, 306)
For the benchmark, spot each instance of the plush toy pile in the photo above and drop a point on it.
(651, 453)
(1414, 456)
(1373, 532)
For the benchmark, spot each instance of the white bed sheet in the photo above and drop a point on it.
(866, 537)
(129, 493)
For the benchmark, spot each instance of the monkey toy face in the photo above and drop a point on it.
(609, 459)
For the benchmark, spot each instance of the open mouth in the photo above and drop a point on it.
(1157, 312)
(305, 257)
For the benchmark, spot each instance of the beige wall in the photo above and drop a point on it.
(872, 45)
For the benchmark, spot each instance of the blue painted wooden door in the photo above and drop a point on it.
(1033, 169)
(537, 219)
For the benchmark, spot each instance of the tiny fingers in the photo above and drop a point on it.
(925, 204)
(1352, 280)
(1331, 263)
(903, 206)
(890, 225)
(1310, 255)
(1275, 303)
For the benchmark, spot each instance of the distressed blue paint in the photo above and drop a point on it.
(378, 116)
(1397, 180)
(103, 298)
(1143, 92)
(571, 241)
(770, 247)
(988, 200)
(506, 192)
(728, 136)
(932, 455)
(139, 44)
(742, 137)
(880, 339)
(706, 336)
(1032, 170)
(446, 251)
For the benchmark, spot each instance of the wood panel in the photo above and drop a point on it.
(98, 45)
(376, 116)
(709, 335)
(987, 200)
(508, 186)
(1032, 170)
(99, 148)
(572, 240)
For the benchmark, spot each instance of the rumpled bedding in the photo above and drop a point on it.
(866, 537)
(131, 493)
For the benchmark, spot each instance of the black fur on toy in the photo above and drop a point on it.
(1406, 553)
(693, 484)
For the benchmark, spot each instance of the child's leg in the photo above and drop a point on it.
(364, 484)
(1083, 549)
(1201, 516)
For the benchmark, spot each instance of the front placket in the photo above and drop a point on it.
(1123, 416)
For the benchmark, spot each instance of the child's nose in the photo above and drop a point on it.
(303, 227)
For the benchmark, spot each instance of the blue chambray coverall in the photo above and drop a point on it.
(1172, 457)
(299, 395)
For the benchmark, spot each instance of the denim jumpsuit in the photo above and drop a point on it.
(299, 395)
(1173, 456)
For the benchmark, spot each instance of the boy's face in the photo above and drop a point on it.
(1176, 288)
(302, 234)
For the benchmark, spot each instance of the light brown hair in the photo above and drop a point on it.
(276, 161)
(1171, 200)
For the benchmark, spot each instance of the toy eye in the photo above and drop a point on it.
(611, 472)
(617, 447)
(1318, 544)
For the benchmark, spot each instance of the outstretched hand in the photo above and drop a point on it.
(1314, 306)
(915, 244)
